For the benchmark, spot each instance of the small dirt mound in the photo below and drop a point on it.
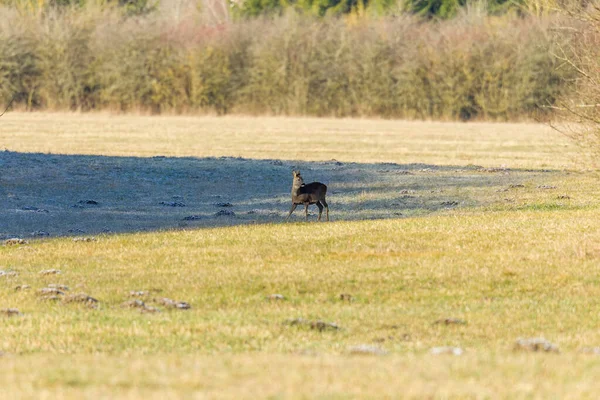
(85, 239)
(40, 234)
(81, 298)
(10, 312)
(88, 202)
(455, 351)
(193, 218)
(180, 305)
(34, 209)
(133, 304)
(315, 325)
(50, 297)
(449, 203)
(346, 297)
(450, 321)
(172, 203)
(50, 291)
(140, 305)
(58, 286)
(324, 326)
(15, 242)
(224, 213)
(365, 349)
(535, 345)
(591, 350)
(50, 272)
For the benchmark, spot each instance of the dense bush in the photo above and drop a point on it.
(496, 68)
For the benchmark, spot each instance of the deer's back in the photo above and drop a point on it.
(311, 193)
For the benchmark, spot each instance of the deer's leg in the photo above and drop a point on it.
(291, 211)
(320, 209)
(306, 211)
(326, 209)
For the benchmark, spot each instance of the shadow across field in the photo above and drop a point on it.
(56, 195)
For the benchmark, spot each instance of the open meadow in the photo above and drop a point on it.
(442, 234)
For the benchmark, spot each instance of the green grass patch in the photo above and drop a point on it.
(546, 207)
(507, 274)
(399, 272)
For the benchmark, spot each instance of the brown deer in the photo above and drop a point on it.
(313, 193)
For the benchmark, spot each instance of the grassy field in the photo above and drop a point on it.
(513, 253)
(307, 139)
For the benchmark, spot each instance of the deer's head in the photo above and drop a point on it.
(297, 176)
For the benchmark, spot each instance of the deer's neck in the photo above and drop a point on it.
(298, 183)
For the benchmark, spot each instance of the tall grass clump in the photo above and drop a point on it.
(471, 67)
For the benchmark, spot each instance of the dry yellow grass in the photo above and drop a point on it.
(521, 263)
(507, 274)
(251, 376)
(309, 139)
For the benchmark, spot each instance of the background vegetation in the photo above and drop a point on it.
(94, 56)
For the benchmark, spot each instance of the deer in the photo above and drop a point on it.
(312, 193)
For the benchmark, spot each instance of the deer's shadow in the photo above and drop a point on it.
(56, 195)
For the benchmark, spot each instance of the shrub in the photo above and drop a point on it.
(20, 72)
(579, 107)
(472, 66)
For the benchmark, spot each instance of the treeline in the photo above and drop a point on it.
(473, 66)
(424, 8)
(254, 8)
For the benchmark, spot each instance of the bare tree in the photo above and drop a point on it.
(577, 47)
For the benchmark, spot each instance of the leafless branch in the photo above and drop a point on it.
(567, 60)
(8, 106)
(575, 106)
(573, 111)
